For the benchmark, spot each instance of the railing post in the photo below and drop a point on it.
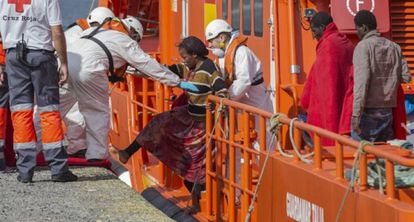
(232, 167)
(363, 171)
(144, 101)
(318, 152)
(159, 98)
(339, 153)
(167, 92)
(389, 171)
(209, 190)
(262, 134)
(246, 170)
(219, 161)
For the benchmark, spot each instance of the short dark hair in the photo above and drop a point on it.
(194, 46)
(321, 18)
(365, 17)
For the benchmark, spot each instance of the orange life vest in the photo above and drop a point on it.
(229, 58)
(117, 25)
(83, 23)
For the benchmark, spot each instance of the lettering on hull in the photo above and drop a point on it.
(302, 210)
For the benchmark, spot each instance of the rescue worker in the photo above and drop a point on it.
(375, 82)
(73, 119)
(177, 137)
(329, 78)
(241, 68)
(89, 80)
(31, 32)
(4, 107)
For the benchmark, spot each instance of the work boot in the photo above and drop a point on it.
(64, 177)
(24, 178)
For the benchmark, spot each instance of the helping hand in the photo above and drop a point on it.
(188, 86)
(63, 74)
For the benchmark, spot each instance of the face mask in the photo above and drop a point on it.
(218, 52)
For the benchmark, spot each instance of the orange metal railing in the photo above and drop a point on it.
(221, 188)
(147, 98)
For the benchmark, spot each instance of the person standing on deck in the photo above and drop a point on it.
(31, 31)
(329, 78)
(241, 68)
(109, 49)
(379, 69)
(73, 119)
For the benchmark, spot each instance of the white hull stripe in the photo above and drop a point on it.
(20, 107)
(21, 146)
(1, 143)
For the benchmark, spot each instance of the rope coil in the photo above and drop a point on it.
(295, 148)
(274, 129)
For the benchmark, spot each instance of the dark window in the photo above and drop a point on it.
(247, 18)
(235, 14)
(225, 8)
(258, 18)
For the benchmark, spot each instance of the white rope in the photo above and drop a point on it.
(274, 130)
(292, 140)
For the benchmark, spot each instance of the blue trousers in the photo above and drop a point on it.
(376, 125)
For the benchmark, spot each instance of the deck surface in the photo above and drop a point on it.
(97, 196)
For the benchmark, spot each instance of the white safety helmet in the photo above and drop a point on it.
(133, 23)
(215, 27)
(99, 14)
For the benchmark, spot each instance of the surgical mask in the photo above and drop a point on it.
(218, 52)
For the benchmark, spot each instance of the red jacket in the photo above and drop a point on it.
(328, 82)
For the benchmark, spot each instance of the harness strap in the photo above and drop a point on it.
(113, 77)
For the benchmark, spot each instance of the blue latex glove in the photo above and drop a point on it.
(188, 86)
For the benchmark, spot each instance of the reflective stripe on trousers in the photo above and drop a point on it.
(41, 83)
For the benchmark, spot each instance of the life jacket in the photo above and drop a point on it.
(110, 24)
(229, 59)
(83, 23)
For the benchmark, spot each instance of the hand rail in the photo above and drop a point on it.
(247, 151)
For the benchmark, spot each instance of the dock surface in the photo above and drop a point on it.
(97, 196)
